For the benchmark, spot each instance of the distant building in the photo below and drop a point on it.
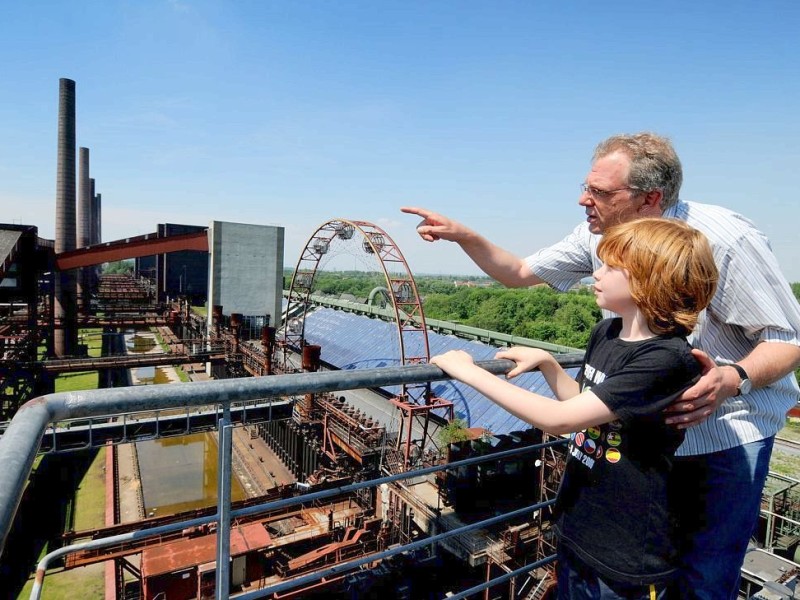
(177, 274)
(473, 284)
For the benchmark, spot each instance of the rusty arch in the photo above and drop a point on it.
(403, 294)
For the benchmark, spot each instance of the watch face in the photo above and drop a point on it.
(745, 386)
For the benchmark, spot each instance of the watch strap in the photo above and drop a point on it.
(742, 377)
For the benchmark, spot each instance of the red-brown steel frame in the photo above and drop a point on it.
(403, 290)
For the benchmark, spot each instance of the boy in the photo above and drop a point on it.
(617, 538)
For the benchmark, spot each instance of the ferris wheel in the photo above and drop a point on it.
(375, 246)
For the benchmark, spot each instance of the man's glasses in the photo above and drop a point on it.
(598, 194)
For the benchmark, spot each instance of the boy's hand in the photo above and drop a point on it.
(527, 359)
(453, 362)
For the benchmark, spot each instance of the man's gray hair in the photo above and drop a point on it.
(654, 163)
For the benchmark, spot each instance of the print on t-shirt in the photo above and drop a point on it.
(595, 442)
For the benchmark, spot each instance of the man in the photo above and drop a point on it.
(748, 342)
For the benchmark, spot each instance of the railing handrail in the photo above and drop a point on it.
(20, 442)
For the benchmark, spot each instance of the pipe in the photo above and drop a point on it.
(223, 582)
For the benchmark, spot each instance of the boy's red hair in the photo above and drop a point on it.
(671, 270)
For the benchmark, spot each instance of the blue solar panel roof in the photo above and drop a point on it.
(351, 341)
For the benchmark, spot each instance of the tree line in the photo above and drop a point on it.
(538, 313)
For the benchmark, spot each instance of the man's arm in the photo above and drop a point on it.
(497, 263)
(767, 363)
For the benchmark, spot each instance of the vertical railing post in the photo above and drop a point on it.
(770, 521)
(224, 467)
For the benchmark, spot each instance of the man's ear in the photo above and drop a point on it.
(654, 197)
(652, 200)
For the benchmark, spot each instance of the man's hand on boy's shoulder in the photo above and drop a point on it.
(698, 402)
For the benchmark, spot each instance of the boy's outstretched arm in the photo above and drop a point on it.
(527, 359)
(550, 415)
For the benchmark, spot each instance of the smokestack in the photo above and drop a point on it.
(92, 213)
(98, 232)
(66, 336)
(84, 199)
(83, 235)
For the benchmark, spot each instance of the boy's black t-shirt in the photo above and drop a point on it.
(613, 508)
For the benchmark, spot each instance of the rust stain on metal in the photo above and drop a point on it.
(131, 248)
(193, 551)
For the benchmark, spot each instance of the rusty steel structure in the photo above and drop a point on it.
(54, 289)
(133, 247)
(413, 400)
(405, 300)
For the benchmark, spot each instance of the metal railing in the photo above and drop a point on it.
(21, 440)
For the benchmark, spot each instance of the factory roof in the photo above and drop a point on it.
(8, 247)
(351, 341)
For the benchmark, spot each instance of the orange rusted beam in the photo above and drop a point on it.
(143, 245)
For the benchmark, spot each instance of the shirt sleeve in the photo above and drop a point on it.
(565, 263)
(753, 293)
(651, 380)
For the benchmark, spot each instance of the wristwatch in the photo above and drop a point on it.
(745, 385)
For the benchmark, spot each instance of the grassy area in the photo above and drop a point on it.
(87, 583)
(160, 340)
(200, 310)
(89, 512)
(88, 502)
(93, 339)
(84, 380)
(791, 431)
(90, 498)
(72, 382)
(787, 463)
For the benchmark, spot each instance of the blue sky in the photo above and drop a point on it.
(295, 113)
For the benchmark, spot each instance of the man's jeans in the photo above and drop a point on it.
(719, 496)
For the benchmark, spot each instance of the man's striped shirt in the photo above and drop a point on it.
(754, 303)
